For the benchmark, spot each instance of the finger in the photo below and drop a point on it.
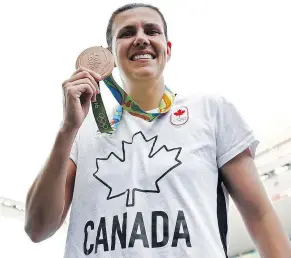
(87, 81)
(89, 92)
(95, 75)
(76, 91)
(69, 86)
(83, 75)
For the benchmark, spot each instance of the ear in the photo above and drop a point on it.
(169, 50)
(110, 49)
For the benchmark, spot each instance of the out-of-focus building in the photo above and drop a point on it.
(273, 160)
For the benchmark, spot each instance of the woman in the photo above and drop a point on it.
(151, 189)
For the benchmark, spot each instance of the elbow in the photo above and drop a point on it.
(34, 235)
(39, 226)
(37, 232)
(37, 236)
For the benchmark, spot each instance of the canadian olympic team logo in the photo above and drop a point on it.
(179, 116)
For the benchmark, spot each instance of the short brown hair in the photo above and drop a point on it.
(128, 7)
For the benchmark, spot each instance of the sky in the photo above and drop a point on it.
(238, 49)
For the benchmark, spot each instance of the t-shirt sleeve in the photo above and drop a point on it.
(233, 135)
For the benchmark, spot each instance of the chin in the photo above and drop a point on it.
(144, 73)
(143, 76)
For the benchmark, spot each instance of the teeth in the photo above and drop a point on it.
(145, 56)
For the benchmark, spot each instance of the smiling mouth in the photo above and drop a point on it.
(142, 57)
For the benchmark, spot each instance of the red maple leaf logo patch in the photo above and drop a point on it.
(179, 112)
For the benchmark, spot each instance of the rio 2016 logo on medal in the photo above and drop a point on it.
(179, 116)
(94, 61)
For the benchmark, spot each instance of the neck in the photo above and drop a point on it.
(146, 94)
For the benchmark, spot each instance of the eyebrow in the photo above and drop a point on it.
(151, 25)
(128, 27)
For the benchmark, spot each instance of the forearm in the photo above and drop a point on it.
(269, 236)
(45, 199)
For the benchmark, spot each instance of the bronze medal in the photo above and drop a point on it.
(101, 61)
(97, 59)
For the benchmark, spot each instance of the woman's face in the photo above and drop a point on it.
(139, 45)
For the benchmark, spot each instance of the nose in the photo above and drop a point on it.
(141, 40)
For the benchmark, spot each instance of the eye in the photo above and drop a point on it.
(153, 32)
(127, 34)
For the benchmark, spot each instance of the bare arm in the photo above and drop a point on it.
(49, 198)
(248, 193)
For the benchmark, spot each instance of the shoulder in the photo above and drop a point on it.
(209, 102)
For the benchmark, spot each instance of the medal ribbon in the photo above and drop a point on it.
(127, 103)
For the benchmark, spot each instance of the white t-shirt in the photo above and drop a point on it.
(153, 189)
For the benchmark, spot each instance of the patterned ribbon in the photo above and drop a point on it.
(127, 103)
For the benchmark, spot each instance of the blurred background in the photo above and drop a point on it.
(238, 49)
